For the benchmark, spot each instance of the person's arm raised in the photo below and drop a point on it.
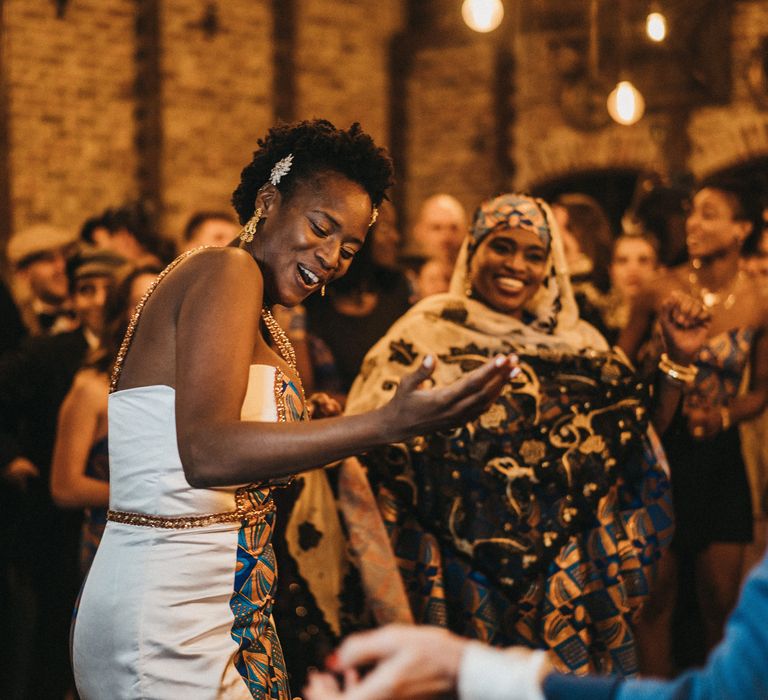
(217, 329)
(684, 325)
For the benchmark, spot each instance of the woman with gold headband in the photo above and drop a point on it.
(207, 417)
(541, 521)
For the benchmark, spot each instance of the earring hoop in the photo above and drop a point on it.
(249, 230)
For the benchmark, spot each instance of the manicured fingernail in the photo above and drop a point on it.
(515, 371)
(332, 660)
(499, 360)
(429, 360)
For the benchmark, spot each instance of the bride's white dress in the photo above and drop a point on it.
(178, 601)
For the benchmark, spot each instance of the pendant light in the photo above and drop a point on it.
(482, 15)
(625, 104)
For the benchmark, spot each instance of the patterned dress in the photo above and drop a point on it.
(539, 523)
(711, 491)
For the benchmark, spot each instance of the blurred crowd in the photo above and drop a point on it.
(69, 297)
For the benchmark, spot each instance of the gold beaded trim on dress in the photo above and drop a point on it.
(245, 511)
(128, 337)
(279, 398)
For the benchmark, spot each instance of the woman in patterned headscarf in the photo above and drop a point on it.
(540, 522)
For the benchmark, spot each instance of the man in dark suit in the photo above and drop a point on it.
(40, 541)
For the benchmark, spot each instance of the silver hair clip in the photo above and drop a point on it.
(281, 168)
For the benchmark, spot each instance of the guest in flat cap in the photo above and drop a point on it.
(38, 256)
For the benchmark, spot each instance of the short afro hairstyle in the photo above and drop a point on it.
(317, 147)
(744, 193)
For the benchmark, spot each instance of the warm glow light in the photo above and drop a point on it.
(656, 26)
(625, 103)
(482, 15)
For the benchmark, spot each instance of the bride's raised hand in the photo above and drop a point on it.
(415, 410)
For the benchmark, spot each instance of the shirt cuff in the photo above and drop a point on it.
(486, 673)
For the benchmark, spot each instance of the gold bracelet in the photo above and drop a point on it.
(684, 374)
(725, 417)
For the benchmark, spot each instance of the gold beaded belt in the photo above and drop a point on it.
(245, 512)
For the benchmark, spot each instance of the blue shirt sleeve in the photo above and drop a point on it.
(559, 686)
(737, 668)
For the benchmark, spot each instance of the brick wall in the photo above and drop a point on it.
(69, 98)
(452, 136)
(725, 136)
(341, 61)
(216, 101)
(75, 111)
(75, 124)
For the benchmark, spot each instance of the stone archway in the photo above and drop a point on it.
(724, 140)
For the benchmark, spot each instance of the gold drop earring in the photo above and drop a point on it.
(322, 291)
(249, 230)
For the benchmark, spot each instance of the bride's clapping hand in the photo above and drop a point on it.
(685, 324)
(417, 410)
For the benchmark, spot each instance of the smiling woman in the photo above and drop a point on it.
(713, 509)
(207, 417)
(540, 522)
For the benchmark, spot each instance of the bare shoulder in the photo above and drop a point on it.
(90, 385)
(208, 279)
(221, 266)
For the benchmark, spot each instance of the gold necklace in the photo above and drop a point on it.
(712, 299)
(281, 339)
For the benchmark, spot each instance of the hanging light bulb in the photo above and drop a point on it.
(482, 15)
(626, 104)
(656, 26)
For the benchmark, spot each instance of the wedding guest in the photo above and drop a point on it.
(38, 256)
(713, 506)
(80, 465)
(39, 537)
(634, 263)
(540, 522)
(130, 231)
(215, 228)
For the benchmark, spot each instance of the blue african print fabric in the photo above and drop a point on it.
(540, 522)
(259, 658)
